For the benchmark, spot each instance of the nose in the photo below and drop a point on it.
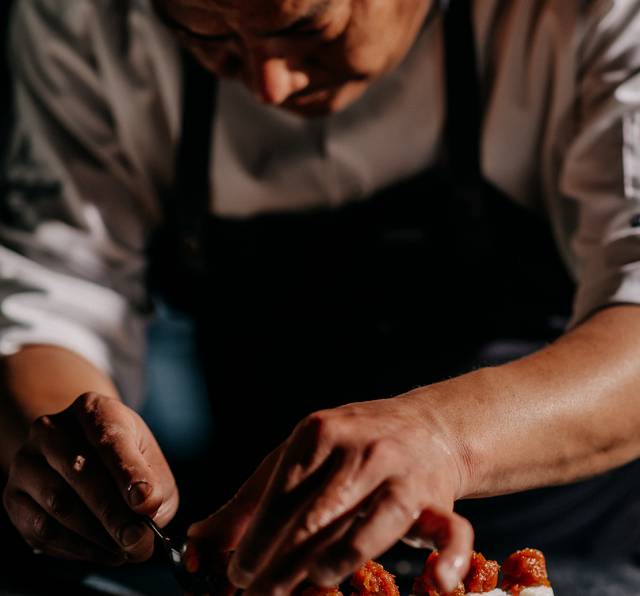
(275, 80)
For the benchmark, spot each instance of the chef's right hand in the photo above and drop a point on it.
(81, 482)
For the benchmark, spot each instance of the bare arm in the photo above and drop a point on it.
(566, 412)
(38, 380)
(81, 466)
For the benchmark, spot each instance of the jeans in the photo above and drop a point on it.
(176, 405)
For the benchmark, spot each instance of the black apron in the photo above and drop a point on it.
(304, 311)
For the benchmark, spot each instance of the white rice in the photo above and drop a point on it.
(537, 591)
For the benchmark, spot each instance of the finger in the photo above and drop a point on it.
(211, 540)
(353, 476)
(223, 529)
(31, 475)
(391, 513)
(45, 534)
(130, 453)
(266, 530)
(288, 572)
(66, 452)
(453, 535)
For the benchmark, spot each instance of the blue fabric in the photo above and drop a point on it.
(176, 407)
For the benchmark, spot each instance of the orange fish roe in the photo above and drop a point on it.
(482, 575)
(373, 580)
(524, 569)
(426, 584)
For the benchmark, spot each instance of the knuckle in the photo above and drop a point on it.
(91, 407)
(57, 503)
(321, 427)
(42, 427)
(110, 435)
(380, 450)
(87, 402)
(42, 529)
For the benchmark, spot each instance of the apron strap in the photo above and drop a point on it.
(176, 250)
(463, 122)
(188, 205)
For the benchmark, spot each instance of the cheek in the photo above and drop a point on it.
(381, 32)
(365, 56)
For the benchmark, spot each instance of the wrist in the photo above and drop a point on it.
(457, 414)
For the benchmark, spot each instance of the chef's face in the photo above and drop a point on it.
(312, 57)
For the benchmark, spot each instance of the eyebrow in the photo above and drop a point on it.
(298, 25)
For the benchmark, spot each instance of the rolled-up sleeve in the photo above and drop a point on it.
(72, 256)
(601, 170)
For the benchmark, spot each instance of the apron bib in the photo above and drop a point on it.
(305, 311)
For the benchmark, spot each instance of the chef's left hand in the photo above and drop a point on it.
(345, 486)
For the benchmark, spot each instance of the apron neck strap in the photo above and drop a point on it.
(187, 209)
(463, 122)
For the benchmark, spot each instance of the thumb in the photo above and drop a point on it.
(130, 453)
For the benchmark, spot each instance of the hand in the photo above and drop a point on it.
(79, 484)
(342, 489)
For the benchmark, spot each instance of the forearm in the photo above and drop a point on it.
(566, 412)
(41, 379)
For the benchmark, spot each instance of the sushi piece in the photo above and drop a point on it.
(525, 574)
(372, 579)
(481, 579)
(426, 584)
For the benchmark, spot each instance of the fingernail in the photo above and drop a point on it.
(451, 573)
(238, 576)
(132, 534)
(139, 493)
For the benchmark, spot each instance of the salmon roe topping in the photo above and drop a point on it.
(482, 575)
(372, 579)
(524, 569)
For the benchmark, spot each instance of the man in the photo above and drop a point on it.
(338, 100)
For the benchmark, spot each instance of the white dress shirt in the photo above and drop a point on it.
(98, 97)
